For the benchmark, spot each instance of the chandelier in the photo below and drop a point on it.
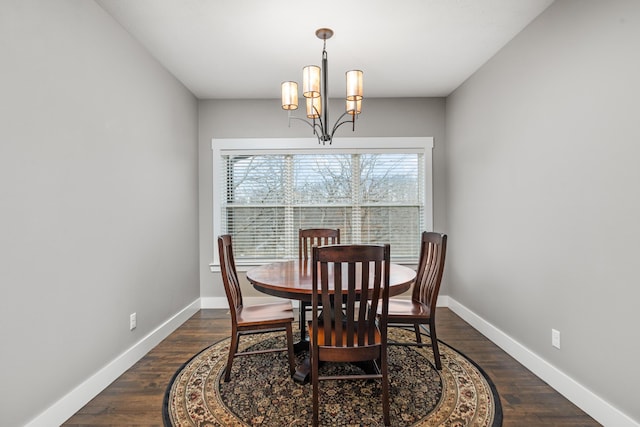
(315, 91)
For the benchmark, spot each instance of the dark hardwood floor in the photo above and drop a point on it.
(135, 398)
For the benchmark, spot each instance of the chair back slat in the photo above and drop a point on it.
(351, 305)
(430, 268)
(377, 294)
(326, 301)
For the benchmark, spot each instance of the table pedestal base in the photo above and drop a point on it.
(303, 372)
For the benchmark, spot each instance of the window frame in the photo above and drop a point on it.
(225, 146)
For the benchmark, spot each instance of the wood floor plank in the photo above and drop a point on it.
(135, 398)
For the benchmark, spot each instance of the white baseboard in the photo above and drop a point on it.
(213, 302)
(73, 401)
(589, 402)
(575, 392)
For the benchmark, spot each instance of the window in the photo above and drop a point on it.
(373, 193)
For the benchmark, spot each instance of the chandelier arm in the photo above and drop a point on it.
(313, 126)
(323, 135)
(339, 123)
(321, 126)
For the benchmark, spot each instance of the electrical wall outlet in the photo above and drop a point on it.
(555, 338)
(133, 321)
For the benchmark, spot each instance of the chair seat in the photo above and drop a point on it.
(265, 314)
(407, 310)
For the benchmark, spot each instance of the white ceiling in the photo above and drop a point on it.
(246, 48)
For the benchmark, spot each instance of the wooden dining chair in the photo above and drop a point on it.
(246, 320)
(421, 308)
(346, 330)
(307, 237)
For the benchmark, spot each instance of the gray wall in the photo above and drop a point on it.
(266, 119)
(98, 198)
(542, 193)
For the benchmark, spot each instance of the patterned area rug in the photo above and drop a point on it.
(261, 392)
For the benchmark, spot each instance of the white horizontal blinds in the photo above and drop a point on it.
(253, 205)
(392, 201)
(321, 192)
(370, 197)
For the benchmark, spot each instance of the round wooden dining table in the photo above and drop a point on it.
(293, 280)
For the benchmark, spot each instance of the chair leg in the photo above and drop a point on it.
(292, 358)
(434, 343)
(315, 389)
(385, 390)
(233, 348)
(416, 328)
